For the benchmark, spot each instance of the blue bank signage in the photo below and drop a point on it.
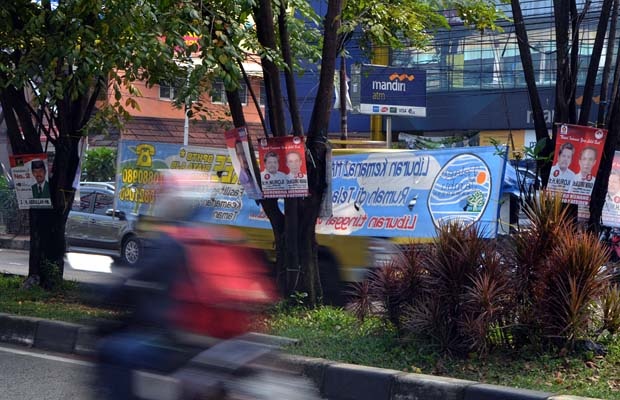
(385, 90)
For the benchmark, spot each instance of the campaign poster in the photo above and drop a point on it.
(283, 167)
(611, 208)
(237, 144)
(576, 160)
(30, 174)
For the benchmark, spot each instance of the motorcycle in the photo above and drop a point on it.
(243, 368)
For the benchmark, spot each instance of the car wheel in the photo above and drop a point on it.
(130, 252)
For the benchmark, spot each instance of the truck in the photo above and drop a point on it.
(378, 199)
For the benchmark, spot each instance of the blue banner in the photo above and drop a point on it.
(411, 193)
(405, 193)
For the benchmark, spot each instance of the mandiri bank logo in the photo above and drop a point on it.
(401, 77)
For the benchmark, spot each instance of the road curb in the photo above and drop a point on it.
(338, 381)
(41, 333)
(354, 382)
(14, 243)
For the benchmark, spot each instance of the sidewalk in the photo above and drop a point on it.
(14, 242)
(336, 381)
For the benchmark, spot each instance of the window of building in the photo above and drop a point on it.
(166, 91)
(218, 93)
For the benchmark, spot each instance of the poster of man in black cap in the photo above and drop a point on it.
(30, 174)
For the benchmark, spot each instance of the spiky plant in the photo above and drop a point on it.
(487, 305)
(573, 280)
(413, 259)
(610, 307)
(359, 302)
(456, 259)
(389, 287)
(528, 257)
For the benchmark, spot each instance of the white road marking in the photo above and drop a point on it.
(46, 356)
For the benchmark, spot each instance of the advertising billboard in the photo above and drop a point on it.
(382, 90)
(405, 193)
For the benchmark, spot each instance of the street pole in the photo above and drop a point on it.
(186, 125)
(388, 131)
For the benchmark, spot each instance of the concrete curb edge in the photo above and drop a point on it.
(336, 380)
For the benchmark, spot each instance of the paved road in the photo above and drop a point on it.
(30, 374)
(79, 267)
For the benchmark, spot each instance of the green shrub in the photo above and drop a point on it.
(99, 165)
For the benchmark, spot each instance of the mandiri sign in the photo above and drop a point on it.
(383, 90)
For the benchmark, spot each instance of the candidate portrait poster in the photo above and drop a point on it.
(576, 161)
(611, 208)
(30, 174)
(283, 167)
(239, 150)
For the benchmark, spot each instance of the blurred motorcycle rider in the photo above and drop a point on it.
(147, 339)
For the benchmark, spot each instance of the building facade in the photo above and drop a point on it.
(475, 80)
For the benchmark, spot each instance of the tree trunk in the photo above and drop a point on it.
(317, 145)
(263, 15)
(599, 191)
(609, 117)
(597, 50)
(344, 133)
(291, 90)
(540, 125)
(47, 248)
(563, 83)
(603, 108)
(47, 226)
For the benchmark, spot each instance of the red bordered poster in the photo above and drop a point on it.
(283, 167)
(31, 178)
(578, 151)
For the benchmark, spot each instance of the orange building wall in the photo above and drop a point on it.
(150, 105)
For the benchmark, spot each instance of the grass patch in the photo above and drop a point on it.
(335, 335)
(64, 304)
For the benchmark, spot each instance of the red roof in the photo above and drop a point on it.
(201, 133)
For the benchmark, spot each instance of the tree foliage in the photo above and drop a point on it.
(57, 59)
(99, 165)
(287, 36)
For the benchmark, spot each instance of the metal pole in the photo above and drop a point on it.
(188, 102)
(388, 132)
(186, 126)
